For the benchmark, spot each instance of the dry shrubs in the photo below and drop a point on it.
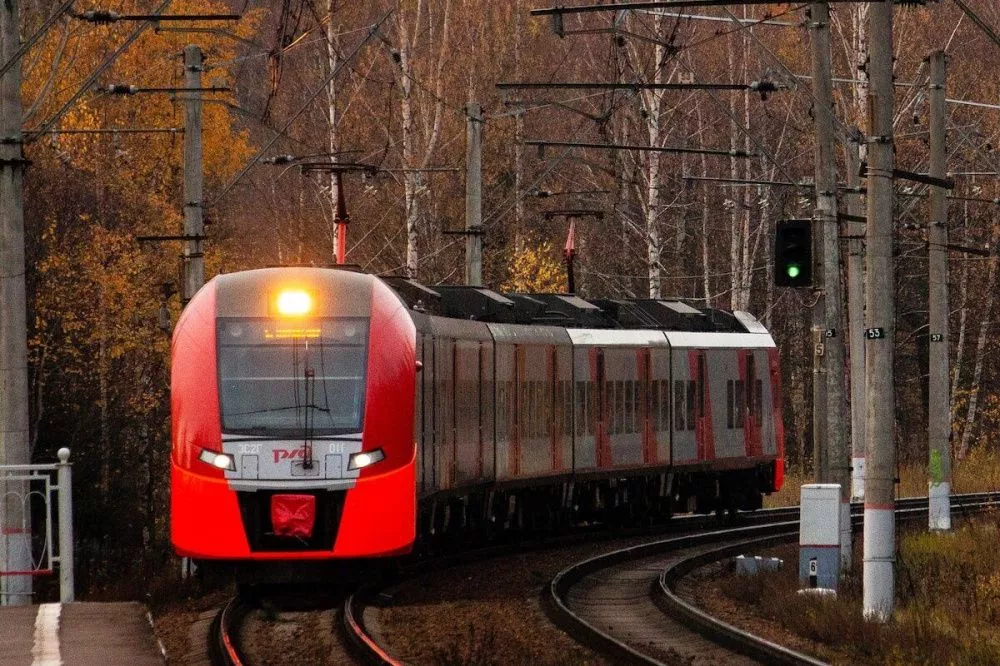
(477, 648)
(978, 472)
(948, 603)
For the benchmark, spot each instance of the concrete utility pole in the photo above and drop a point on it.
(835, 467)
(15, 544)
(880, 315)
(938, 411)
(474, 195)
(856, 315)
(194, 225)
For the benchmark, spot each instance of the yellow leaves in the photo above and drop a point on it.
(536, 269)
(143, 166)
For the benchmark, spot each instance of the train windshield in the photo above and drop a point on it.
(302, 378)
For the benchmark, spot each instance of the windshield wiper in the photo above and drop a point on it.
(279, 409)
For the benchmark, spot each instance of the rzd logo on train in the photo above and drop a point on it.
(289, 454)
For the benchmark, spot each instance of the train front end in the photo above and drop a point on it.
(292, 394)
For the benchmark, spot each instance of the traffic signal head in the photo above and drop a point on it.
(793, 253)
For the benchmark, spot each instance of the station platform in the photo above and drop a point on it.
(77, 634)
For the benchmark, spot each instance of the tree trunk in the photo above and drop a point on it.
(977, 372)
(333, 141)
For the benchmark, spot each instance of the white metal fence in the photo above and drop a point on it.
(27, 548)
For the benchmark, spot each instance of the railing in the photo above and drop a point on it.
(24, 554)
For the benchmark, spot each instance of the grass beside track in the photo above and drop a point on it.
(947, 603)
(979, 472)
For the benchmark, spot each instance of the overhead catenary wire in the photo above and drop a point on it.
(88, 83)
(373, 30)
(41, 32)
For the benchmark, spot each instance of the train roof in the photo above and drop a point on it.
(568, 310)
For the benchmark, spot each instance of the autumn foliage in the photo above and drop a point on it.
(397, 102)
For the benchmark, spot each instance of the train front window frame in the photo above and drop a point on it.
(259, 361)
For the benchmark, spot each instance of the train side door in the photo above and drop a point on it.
(444, 398)
(423, 434)
(468, 408)
(584, 407)
(660, 403)
(621, 393)
(506, 411)
(750, 410)
(684, 427)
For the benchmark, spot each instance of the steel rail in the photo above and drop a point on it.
(780, 530)
(722, 633)
(359, 639)
(224, 647)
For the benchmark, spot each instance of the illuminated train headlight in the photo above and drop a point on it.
(364, 459)
(294, 303)
(216, 459)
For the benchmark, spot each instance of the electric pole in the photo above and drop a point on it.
(194, 226)
(474, 195)
(835, 466)
(15, 541)
(856, 314)
(938, 411)
(880, 315)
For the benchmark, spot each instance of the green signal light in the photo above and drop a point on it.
(793, 271)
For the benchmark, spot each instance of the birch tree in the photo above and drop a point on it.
(423, 31)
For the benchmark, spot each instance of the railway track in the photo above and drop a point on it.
(349, 643)
(623, 603)
(224, 647)
(362, 642)
(629, 573)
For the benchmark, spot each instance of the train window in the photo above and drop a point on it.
(729, 404)
(739, 405)
(654, 405)
(692, 413)
(679, 410)
(524, 412)
(608, 412)
(702, 379)
(557, 397)
(284, 382)
(757, 404)
(533, 398)
(664, 404)
(619, 407)
(637, 401)
(568, 408)
(592, 415)
(543, 397)
(629, 411)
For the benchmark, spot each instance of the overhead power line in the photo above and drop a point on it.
(373, 30)
(762, 87)
(654, 149)
(620, 6)
(105, 16)
(980, 23)
(49, 22)
(88, 84)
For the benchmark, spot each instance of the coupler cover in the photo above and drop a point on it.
(293, 515)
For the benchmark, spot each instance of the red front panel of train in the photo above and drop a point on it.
(293, 435)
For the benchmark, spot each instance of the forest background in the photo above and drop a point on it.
(99, 356)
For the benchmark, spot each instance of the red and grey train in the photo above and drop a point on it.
(332, 414)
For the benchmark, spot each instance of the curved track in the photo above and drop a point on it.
(623, 603)
(223, 635)
(360, 640)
